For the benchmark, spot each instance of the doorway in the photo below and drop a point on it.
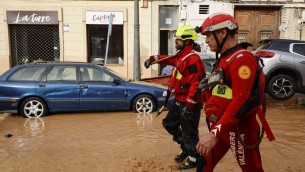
(167, 45)
(257, 23)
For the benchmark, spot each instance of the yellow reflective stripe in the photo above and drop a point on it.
(174, 71)
(178, 76)
(223, 91)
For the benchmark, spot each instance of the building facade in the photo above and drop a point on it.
(64, 30)
(75, 30)
(257, 19)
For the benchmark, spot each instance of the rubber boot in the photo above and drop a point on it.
(181, 156)
(191, 162)
(184, 152)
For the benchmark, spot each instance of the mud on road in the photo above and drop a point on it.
(125, 141)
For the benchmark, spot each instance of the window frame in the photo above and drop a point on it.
(62, 68)
(292, 48)
(97, 55)
(86, 68)
(22, 73)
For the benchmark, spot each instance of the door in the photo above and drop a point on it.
(256, 24)
(61, 88)
(99, 92)
(163, 47)
(298, 50)
(167, 45)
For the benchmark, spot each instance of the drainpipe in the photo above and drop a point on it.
(136, 51)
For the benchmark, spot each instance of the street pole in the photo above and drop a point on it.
(108, 38)
(136, 62)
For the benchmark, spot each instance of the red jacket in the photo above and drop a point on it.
(186, 75)
(240, 68)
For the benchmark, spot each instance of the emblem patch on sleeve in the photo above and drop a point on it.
(192, 69)
(244, 72)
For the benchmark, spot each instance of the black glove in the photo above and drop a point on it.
(203, 84)
(147, 63)
(186, 114)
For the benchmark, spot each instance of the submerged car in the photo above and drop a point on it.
(36, 89)
(284, 66)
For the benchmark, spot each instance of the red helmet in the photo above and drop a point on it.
(218, 21)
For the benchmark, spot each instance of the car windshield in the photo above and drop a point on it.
(118, 75)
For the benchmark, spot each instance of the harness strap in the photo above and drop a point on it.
(261, 114)
(265, 124)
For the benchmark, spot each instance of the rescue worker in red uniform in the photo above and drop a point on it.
(233, 122)
(183, 116)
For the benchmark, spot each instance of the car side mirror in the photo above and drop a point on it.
(116, 81)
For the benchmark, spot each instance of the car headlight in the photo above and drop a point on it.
(165, 93)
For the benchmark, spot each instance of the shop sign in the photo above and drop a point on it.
(96, 17)
(32, 17)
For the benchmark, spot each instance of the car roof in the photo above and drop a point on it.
(281, 40)
(61, 63)
(277, 44)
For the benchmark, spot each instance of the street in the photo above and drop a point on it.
(125, 141)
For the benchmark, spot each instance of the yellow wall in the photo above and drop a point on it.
(73, 44)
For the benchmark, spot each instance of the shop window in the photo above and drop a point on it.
(97, 44)
(30, 43)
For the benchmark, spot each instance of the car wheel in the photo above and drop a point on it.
(33, 107)
(143, 103)
(281, 87)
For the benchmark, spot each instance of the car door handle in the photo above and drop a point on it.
(83, 86)
(302, 62)
(41, 85)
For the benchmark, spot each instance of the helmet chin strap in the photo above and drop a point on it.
(218, 43)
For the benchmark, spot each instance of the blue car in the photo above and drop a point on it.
(36, 89)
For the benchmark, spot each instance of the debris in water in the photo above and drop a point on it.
(8, 135)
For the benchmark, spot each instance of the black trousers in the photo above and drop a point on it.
(184, 132)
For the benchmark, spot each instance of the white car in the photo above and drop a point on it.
(284, 66)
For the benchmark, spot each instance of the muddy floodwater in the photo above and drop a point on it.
(126, 141)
